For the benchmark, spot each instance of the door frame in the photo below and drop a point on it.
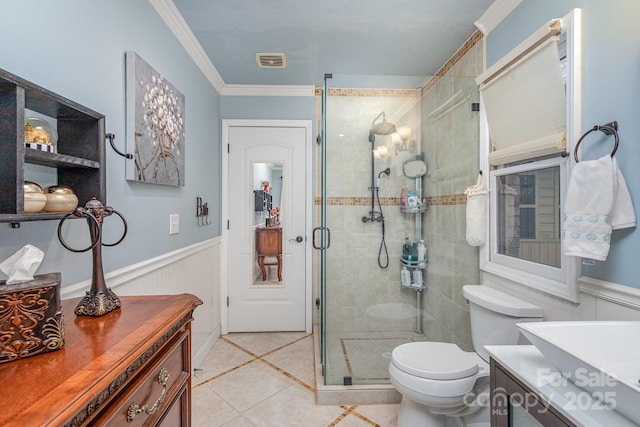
(227, 124)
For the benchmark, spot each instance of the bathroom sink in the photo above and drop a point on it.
(601, 357)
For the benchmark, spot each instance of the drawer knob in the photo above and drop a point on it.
(135, 409)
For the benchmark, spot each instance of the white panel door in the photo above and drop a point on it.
(259, 302)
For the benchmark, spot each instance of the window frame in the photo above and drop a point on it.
(561, 282)
(554, 280)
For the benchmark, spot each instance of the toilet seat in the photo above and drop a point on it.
(435, 360)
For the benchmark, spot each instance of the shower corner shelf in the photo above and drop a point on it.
(413, 264)
(416, 209)
(415, 288)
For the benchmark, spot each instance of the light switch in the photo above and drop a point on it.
(174, 223)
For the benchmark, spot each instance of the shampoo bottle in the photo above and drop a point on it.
(417, 278)
(405, 275)
(422, 254)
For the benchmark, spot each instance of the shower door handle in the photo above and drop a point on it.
(313, 240)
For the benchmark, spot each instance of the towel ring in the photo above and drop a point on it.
(607, 129)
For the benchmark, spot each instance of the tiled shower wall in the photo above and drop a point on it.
(361, 296)
(450, 145)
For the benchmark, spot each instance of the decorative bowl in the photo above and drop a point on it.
(34, 199)
(40, 132)
(60, 198)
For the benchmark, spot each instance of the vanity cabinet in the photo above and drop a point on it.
(130, 367)
(514, 404)
(80, 159)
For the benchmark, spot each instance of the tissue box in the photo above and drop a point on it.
(30, 317)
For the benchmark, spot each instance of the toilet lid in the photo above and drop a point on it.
(434, 360)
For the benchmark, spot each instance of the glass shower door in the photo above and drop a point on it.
(364, 311)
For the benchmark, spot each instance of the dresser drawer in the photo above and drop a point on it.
(178, 414)
(152, 392)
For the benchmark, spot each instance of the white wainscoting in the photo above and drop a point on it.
(193, 269)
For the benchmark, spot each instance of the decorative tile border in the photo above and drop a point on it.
(446, 200)
(466, 47)
(351, 409)
(348, 409)
(391, 93)
(261, 359)
(410, 93)
(358, 201)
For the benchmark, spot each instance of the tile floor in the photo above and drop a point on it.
(268, 379)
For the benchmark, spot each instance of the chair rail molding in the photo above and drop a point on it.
(126, 274)
(609, 291)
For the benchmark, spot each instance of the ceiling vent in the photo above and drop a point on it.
(271, 60)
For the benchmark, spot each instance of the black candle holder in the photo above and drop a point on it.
(99, 300)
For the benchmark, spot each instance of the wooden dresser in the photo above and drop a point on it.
(137, 355)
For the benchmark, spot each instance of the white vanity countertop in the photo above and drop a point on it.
(528, 365)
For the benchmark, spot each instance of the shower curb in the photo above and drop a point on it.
(349, 395)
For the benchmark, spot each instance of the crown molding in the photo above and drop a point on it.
(268, 90)
(176, 23)
(494, 15)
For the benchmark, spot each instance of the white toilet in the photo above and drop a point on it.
(439, 382)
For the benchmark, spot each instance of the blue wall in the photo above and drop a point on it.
(267, 107)
(76, 49)
(611, 87)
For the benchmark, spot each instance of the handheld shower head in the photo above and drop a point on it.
(387, 171)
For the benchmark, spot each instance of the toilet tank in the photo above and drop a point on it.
(494, 315)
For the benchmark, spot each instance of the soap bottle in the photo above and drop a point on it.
(417, 278)
(405, 275)
(422, 254)
(406, 249)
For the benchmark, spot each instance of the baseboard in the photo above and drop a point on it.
(205, 348)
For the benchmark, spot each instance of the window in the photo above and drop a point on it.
(520, 149)
(528, 213)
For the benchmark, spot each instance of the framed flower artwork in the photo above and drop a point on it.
(155, 125)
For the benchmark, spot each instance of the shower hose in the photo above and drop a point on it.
(383, 243)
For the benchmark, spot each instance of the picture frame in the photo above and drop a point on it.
(155, 125)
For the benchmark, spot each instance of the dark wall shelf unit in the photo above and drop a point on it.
(80, 157)
(263, 200)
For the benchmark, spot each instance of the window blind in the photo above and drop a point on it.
(525, 101)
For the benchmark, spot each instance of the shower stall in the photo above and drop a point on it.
(365, 138)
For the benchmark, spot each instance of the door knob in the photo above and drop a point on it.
(298, 239)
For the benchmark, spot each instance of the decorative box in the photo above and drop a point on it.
(30, 317)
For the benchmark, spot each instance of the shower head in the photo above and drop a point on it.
(387, 171)
(382, 128)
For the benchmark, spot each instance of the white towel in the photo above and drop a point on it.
(597, 202)
(476, 212)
